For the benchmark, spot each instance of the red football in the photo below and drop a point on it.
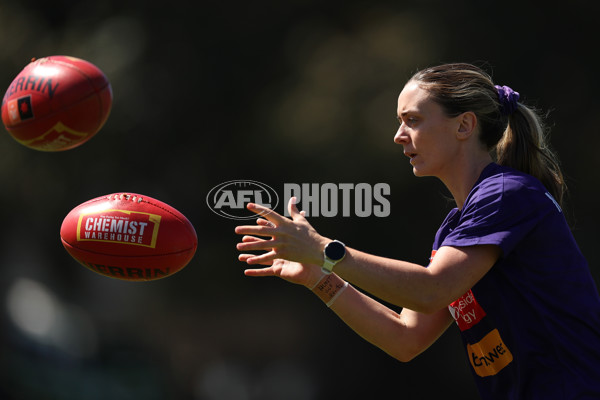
(56, 103)
(129, 236)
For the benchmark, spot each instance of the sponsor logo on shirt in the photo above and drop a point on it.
(466, 311)
(489, 355)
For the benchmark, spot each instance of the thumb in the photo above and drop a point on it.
(293, 209)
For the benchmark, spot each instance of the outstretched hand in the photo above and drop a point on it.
(292, 248)
(291, 271)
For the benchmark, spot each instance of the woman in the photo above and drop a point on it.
(504, 264)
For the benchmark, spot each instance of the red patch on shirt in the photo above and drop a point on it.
(466, 311)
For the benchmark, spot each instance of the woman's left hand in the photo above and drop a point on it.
(291, 271)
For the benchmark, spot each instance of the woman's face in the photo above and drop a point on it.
(426, 133)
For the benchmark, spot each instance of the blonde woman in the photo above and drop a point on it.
(504, 266)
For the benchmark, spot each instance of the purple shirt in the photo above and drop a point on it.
(531, 325)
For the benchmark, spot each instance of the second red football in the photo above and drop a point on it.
(56, 103)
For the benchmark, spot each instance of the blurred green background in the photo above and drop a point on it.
(277, 92)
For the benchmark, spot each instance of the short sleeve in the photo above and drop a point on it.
(499, 211)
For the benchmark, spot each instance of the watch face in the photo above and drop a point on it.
(335, 250)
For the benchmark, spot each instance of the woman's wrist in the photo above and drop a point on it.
(318, 256)
(321, 275)
(329, 287)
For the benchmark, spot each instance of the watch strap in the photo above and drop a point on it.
(328, 265)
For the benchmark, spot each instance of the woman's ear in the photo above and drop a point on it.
(467, 124)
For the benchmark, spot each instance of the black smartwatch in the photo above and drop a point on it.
(333, 253)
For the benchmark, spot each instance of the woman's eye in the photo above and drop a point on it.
(409, 121)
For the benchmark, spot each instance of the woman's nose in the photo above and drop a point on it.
(401, 137)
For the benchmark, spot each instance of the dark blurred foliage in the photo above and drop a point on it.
(296, 91)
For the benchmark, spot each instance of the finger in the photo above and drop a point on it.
(257, 272)
(264, 259)
(293, 209)
(245, 257)
(255, 245)
(264, 222)
(248, 239)
(266, 213)
(254, 230)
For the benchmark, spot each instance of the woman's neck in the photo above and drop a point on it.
(461, 179)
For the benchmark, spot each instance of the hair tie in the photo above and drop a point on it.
(508, 99)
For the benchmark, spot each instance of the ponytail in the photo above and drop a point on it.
(524, 147)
